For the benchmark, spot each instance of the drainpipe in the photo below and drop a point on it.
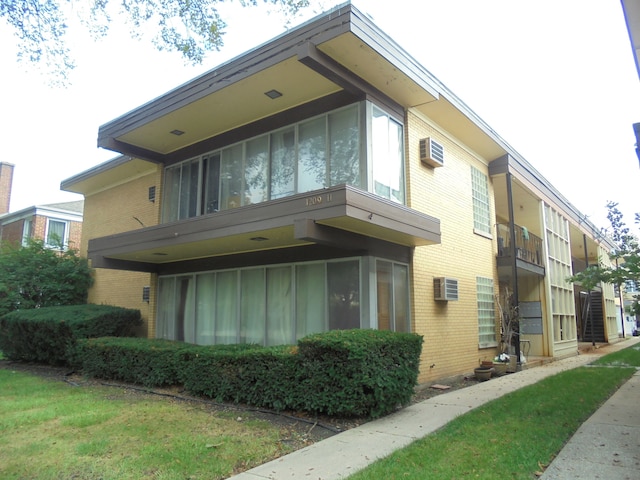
(514, 263)
(586, 259)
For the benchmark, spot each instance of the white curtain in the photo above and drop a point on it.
(252, 311)
(226, 307)
(310, 299)
(205, 308)
(279, 306)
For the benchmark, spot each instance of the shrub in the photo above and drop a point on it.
(49, 335)
(358, 372)
(340, 373)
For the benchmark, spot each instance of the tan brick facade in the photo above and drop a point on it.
(123, 208)
(450, 329)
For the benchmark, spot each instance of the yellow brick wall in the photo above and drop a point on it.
(450, 329)
(116, 210)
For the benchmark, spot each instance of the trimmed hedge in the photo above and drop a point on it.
(358, 372)
(49, 335)
(340, 373)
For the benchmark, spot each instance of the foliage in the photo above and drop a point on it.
(341, 373)
(49, 335)
(191, 28)
(35, 276)
(626, 258)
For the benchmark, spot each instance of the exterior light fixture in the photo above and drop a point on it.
(160, 254)
(259, 239)
(273, 94)
(177, 132)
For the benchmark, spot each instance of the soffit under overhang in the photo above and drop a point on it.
(234, 95)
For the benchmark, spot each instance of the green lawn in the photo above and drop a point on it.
(52, 430)
(514, 436)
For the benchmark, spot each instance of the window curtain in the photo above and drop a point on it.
(185, 314)
(343, 290)
(205, 308)
(252, 309)
(310, 299)
(56, 233)
(166, 311)
(279, 306)
(401, 298)
(385, 294)
(226, 307)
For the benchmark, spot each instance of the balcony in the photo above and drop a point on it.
(527, 250)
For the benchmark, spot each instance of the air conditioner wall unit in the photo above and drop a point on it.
(445, 288)
(431, 152)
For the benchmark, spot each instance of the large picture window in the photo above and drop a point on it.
(320, 152)
(279, 304)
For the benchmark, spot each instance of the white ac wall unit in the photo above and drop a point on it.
(445, 288)
(431, 152)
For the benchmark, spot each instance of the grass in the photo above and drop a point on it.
(51, 430)
(514, 436)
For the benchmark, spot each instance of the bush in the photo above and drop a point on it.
(340, 373)
(152, 363)
(358, 372)
(49, 335)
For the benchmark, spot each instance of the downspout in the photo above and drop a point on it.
(514, 264)
(586, 259)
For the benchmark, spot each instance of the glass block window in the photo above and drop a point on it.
(480, 194)
(486, 313)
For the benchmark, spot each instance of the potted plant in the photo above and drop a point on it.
(500, 364)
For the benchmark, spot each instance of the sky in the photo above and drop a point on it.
(555, 79)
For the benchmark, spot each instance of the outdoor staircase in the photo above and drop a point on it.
(593, 324)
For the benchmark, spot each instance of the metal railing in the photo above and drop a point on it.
(528, 246)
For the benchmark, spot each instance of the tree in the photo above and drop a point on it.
(34, 276)
(626, 258)
(191, 27)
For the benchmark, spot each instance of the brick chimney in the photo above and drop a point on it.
(6, 179)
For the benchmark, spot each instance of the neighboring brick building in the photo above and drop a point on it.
(326, 180)
(54, 223)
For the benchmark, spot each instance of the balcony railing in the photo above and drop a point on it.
(528, 246)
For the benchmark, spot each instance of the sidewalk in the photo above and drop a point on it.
(346, 453)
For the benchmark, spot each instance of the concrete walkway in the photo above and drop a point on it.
(346, 453)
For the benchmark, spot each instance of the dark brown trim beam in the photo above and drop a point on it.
(310, 56)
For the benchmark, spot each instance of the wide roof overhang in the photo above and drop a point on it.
(338, 53)
(339, 217)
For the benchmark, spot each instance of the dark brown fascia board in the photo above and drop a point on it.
(523, 169)
(99, 261)
(276, 213)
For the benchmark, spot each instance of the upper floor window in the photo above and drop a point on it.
(387, 156)
(57, 234)
(319, 152)
(481, 208)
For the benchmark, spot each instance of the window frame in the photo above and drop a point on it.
(481, 204)
(64, 241)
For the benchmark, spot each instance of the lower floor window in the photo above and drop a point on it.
(276, 305)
